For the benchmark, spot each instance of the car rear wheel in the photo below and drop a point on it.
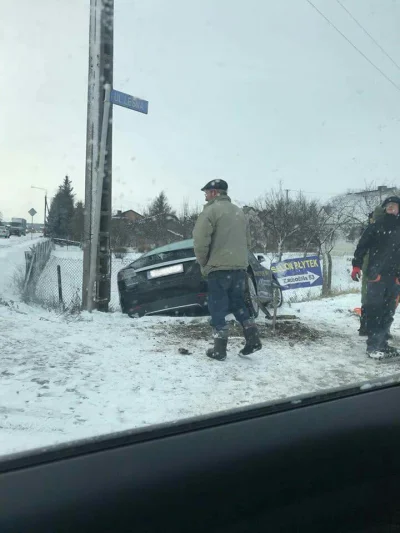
(251, 297)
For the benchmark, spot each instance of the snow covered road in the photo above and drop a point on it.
(12, 259)
(65, 377)
(19, 242)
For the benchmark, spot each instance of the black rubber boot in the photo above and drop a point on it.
(363, 331)
(253, 342)
(219, 351)
(363, 324)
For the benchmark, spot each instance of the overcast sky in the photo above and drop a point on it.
(255, 92)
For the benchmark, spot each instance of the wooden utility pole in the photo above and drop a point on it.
(101, 51)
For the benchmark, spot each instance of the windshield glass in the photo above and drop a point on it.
(163, 255)
(144, 154)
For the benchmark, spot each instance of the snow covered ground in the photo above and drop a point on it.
(65, 377)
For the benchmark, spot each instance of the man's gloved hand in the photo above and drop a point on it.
(356, 274)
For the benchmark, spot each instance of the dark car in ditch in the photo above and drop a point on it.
(168, 279)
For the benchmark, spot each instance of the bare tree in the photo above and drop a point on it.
(257, 231)
(300, 224)
(277, 216)
(187, 217)
(358, 204)
(325, 228)
(286, 222)
(122, 233)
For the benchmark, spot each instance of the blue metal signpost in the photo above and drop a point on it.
(298, 273)
(130, 102)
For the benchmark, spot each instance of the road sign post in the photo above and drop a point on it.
(45, 207)
(32, 212)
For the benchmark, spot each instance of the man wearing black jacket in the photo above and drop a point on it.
(381, 240)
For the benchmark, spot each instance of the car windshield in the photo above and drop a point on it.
(202, 208)
(172, 252)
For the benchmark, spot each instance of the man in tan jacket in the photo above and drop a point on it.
(221, 242)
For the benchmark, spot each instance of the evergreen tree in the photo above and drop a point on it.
(61, 211)
(159, 213)
(77, 223)
(160, 206)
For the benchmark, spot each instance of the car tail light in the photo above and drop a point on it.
(128, 276)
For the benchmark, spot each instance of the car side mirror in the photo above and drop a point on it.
(260, 258)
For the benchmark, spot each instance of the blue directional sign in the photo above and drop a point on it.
(131, 102)
(298, 273)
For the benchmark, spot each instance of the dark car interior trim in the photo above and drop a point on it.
(325, 463)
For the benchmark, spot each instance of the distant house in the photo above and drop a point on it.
(377, 195)
(358, 205)
(131, 215)
(135, 230)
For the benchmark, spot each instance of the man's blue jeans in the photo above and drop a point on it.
(226, 293)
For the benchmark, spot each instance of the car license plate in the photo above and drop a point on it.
(165, 271)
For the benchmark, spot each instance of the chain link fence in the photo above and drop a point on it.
(60, 283)
(36, 260)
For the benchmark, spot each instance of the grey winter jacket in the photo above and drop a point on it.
(221, 237)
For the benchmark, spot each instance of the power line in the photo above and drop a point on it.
(355, 47)
(369, 35)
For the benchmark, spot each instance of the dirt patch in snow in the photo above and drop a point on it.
(292, 331)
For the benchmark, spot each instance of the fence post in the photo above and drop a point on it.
(60, 294)
(29, 271)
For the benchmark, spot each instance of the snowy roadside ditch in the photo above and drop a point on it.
(66, 377)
